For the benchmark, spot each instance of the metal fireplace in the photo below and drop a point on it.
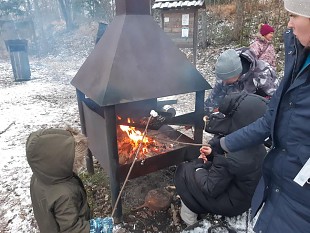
(133, 64)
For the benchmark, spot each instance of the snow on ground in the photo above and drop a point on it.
(47, 100)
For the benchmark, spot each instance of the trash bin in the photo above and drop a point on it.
(18, 50)
(101, 29)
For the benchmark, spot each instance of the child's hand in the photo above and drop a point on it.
(203, 157)
(205, 150)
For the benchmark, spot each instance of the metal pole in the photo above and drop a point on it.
(199, 110)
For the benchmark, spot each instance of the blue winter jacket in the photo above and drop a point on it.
(286, 204)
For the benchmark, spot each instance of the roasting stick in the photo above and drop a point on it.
(152, 114)
(188, 143)
(183, 143)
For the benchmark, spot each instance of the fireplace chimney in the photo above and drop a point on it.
(135, 60)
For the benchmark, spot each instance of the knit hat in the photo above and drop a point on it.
(265, 29)
(228, 65)
(298, 7)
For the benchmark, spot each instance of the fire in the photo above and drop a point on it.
(135, 135)
(129, 139)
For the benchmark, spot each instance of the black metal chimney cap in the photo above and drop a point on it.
(133, 7)
(135, 60)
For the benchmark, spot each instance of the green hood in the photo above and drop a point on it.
(50, 154)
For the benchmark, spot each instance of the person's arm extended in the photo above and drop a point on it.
(248, 136)
(255, 133)
(212, 102)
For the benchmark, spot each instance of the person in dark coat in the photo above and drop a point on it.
(58, 196)
(239, 70)
(218, 183)
(283, 193)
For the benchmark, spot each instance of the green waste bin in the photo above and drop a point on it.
(18, 50)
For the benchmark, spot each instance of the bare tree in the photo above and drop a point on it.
(42, 41)
(66, 10)
(238, 24)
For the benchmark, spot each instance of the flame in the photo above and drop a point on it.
(135, 137)
(128, 141)
(129, 120)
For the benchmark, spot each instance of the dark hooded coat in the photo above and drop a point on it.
(226, 184)
(57, 194)
(286, 204)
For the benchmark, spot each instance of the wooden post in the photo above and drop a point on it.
(195, 36)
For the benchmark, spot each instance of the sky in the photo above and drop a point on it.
(46, 100)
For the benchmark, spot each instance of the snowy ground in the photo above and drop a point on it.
(47, 100)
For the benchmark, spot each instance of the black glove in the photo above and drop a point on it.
(200, 164)
(197, 162)
(216, 145)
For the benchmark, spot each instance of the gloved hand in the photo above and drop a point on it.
(216, 145)
(101, 225)
(198, 162)
(206, 165)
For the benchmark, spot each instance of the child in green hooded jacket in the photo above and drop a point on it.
(58, 196)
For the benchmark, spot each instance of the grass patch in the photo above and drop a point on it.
(98, 191)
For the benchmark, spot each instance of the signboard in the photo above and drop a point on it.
(185, 32)
(185, 19)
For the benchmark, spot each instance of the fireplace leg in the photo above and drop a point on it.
(110, 116)
(199, 105)
(90, 163)
(115, 190)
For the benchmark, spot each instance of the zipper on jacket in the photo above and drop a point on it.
(295, 61)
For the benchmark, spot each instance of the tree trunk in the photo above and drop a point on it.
(65, 7)
(42, 44)
(204, 36)
(238, 24)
